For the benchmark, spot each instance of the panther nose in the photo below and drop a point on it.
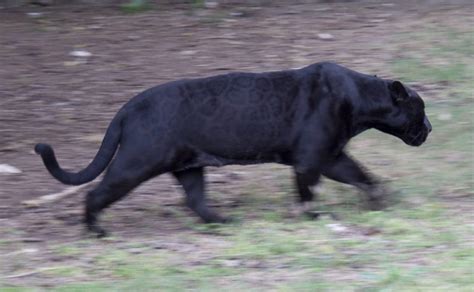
(428, 125)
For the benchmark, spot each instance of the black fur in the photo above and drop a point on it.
(302, 118)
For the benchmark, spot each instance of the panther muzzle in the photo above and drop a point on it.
(419, 137)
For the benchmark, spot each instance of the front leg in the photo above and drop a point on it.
(304, 204)
(345, 170)
(304, 182)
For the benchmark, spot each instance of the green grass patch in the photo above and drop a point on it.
(135, 6)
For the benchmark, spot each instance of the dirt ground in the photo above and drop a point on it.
(47, 95)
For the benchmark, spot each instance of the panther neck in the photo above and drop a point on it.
(371, 104)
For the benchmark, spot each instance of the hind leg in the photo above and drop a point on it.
(97, 200)
(119, 180)
(192, 181)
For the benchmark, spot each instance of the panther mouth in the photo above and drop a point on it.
(416, 139)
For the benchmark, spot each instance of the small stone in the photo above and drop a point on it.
(96, 138)
(444, 117)
(377, 20)
(231, 263)
(34, 14)
(325, 36)
(236, 14)
(8, 169)
(336, 227)
(322, 9)
(80, 53)
(188, 52)
(211, 4)
(95, 27)
(71, 63)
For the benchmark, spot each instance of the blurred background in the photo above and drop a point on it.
(66, 67)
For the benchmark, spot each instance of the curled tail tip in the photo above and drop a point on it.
(41, 148)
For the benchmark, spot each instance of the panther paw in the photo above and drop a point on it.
(218, 219)
(378, 197)
(97, 231)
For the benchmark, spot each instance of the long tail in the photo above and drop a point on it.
(96, 167)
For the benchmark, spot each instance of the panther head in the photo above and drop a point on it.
(406, 118)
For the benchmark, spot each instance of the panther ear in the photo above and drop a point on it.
(398, 91)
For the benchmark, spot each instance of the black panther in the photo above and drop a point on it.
(302, 118)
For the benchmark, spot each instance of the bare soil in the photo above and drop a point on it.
(50, 96)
